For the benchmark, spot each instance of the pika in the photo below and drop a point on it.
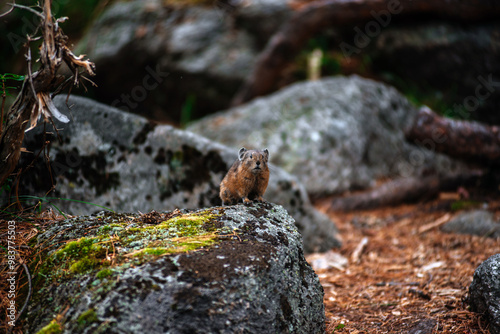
(247, 178)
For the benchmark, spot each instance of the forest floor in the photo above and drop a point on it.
(406, 276)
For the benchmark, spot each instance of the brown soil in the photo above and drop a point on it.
(390, 289)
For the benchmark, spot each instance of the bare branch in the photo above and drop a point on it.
(8, 12)
(466, 140)
(30, 75)
(14, 5)
(403, 190)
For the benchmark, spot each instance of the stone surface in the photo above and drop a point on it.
(484, 292)
(253, 279)
(455, 59)
(205, 51)
(477, 222)
(119, 160)
(335, 134)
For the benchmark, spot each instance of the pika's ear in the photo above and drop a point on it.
(266, 154)
(241, 153)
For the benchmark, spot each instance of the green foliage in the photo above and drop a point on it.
(5, 78)
(464, 205)
(339, 326)
(187, 110)
(6, 82)
(421, 94)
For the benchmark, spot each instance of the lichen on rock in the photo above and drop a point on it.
(221, 269)
(484, 292)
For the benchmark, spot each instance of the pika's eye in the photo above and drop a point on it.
(251, 156)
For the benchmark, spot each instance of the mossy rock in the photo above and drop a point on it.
(223, 269)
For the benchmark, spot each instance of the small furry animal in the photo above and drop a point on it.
(247, 178)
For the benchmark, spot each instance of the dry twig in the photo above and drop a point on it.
(441, 221)
(356, 254)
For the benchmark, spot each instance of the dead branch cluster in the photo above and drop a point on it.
(38, 89)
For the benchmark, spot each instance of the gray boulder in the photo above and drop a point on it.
(455, 59)
(236, 269)
(335, 134)
(121, 161)
(201, 54)
(477, 222)
(484, 292)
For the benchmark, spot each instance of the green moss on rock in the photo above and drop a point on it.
(112, 244)
(52, 328)
(86, 318)
(83, 265)
(76, 257)
(104, 273)
(128, 239)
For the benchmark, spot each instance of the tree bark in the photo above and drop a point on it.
(35, 99)
(312, 18)
(403, 190)
(470, 141)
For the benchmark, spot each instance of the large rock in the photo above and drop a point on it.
(335, 134)
(476, 222)
(119, 160)
(484, 292)
(459, 61)
(236, 269)
(201, 53)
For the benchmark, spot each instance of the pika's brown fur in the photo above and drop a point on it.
(247, 178)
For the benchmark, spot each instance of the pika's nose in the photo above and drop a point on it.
(258, 163)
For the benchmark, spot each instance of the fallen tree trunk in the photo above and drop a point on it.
(35, 98)
(470, 141)
(312, 18)
(403, 190)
